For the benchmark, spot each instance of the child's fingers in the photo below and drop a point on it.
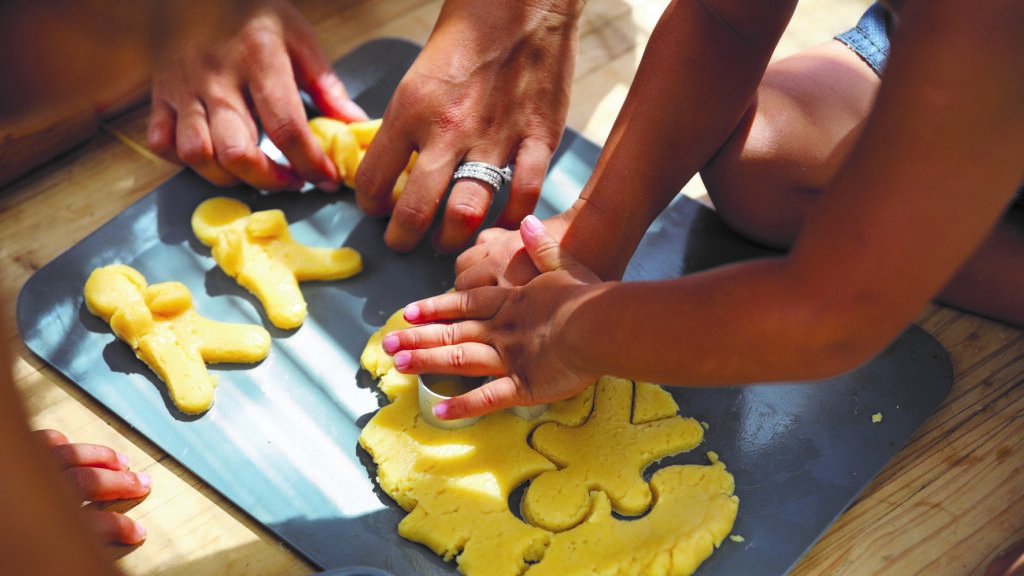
(115, 528)
(545, 251)
(51, 438)
(469, 359)
(477, 304)
(90, 455)
(494, 395)
(100, 485)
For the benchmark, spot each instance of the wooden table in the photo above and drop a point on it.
(949, 501)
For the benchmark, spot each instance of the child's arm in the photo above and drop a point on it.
(887, 234)
(698, 74)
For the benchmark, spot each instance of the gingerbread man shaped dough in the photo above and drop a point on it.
(256, 249)
(164, 330)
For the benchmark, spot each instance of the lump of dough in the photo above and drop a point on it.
(164, 330)
(256, 249)
(346, 144)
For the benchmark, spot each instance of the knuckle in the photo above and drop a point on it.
(457, 357)
(195, 151)
(284, 133)
(412, 217)
(236, 154)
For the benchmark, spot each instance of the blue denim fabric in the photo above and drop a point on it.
(870, 38)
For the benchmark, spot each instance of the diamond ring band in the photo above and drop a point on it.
(487, 173)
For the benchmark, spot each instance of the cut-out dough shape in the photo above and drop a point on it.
(160, 324)
(256, 249)
(608, 453)
(694, 510)
(346, 144)
(456, 484)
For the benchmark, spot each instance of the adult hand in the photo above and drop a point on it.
(491, 85)
(99, 474)
(514, 333)
(206, 94)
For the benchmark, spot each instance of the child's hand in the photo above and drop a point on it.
(515, 333)
(499, 258)
(98, 474)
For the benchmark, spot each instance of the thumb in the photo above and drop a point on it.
(491, 396)
(545, 251)
(314, 75)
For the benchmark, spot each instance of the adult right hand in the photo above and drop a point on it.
(491, 85)
(206, 97)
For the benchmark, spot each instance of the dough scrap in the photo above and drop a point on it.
(164, 330)
(346, 144)
(456, 484)
(256, 249)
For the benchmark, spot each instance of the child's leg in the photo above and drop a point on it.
(808, 111)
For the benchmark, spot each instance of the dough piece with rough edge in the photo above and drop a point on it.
(608, 453)
(257, 250)
(652, 402)
(694, 511)
(456, 483)
(164, 330)
(346, 144)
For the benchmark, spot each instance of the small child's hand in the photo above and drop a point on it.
(99, 474)
(513, 333)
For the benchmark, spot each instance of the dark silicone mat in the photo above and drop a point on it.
(281, 440)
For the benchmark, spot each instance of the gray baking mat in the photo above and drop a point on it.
(281, 440)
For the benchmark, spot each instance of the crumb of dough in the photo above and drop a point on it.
(164, 330)
(737, 538)
(456, 484)
(256, 249)
(346, 144)
(876, 417)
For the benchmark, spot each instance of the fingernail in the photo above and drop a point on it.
(329, 186)
(412, 313)
(390, 343)
(144, 479)
(532, 225)
(441, 410)
(354, 110)
(402, 360)
(140, 532)
(123, 461)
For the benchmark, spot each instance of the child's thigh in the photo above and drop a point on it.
(806, 115)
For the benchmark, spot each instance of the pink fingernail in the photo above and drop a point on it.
(402, 360)
(532, 225)
(412, 313)
(140, 532)
(123, 461)
(441, 410)
(390, 343)
(144, 479)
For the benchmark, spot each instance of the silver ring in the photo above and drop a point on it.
(488, 173)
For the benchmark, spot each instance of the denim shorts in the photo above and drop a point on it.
(869, 39)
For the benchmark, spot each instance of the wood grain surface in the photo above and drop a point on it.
(948, 502)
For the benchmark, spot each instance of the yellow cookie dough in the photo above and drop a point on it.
(694, 511)
(456, 484)
(608, 453)
(256, 249)
(163, 328)
(346, 144)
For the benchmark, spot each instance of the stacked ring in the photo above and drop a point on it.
(488, 173)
